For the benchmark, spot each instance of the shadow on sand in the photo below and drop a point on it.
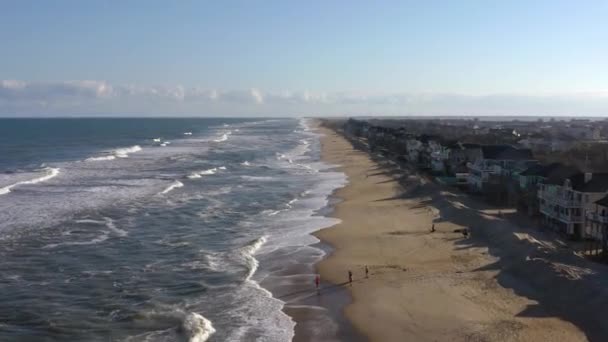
(531, 262)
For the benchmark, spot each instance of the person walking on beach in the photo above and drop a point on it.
(350, 278)
(318, 283)
(433, 228)
(366, 272)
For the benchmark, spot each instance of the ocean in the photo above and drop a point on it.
(157, 229)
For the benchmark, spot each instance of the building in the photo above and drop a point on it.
(498, 165)
(564, 201)
(596, 228)
(529, 180)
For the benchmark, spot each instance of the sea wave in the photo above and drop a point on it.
(247, 253)
(191, 325)
(117, 153)
(258, 178)
(112, 229)
(223, 137)
(207, 172)
(197, 328)
(98, 239)
(50, 173)
(174, 185)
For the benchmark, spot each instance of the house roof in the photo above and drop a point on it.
(598, 182)
(559, 174)
(470, 146)
(603, 201)
(557, 171)
(505, 152)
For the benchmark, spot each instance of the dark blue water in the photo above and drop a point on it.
(156, 229)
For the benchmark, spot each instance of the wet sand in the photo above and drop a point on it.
(501, 284)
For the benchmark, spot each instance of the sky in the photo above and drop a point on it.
(294, 58)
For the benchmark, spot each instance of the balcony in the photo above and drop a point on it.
(553, 198)
(597, 217)
(567, 218)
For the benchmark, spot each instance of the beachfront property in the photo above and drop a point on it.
(564, 201)
(430, 145)
(530, 179)
(596, 227)
(496, 172)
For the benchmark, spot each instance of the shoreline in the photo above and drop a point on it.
(318, 318)
(423, 286)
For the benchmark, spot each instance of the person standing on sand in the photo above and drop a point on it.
(366, 272)
(350, 278)
(433, 228)
(317, 283)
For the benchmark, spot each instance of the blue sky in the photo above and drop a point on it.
(304, 58)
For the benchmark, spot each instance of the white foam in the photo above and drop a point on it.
(197, 327)
(163, 144)
(245, 163)
(248, 252)
(156, 139)
(91, 221)
(50, 173)
(117, 153)
(281, 156)
(187, 133)
(207, 172)
(174, 185)
(289, 204)
(101, 158)
(257, 178)
(124, 152)
(110, 224)
(224, 137)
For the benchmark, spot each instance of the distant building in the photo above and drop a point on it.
(498, 165)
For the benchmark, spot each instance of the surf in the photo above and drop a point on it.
(176, 184)
(51, 173)
(117, 153)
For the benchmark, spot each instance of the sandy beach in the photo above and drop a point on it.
(506, 282)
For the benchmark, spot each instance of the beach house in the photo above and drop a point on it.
(564, 201)
(493, 172)
(596, 227)
(529, 180)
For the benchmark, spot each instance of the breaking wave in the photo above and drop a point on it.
(247, 252)
(224, 137)
(197, 328)
(174, 185)
(117, 153)
(212, 171)
(50, 173)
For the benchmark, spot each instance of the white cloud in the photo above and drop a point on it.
(99, 97)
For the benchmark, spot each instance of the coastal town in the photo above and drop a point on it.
(471, 229)
(555, 172)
